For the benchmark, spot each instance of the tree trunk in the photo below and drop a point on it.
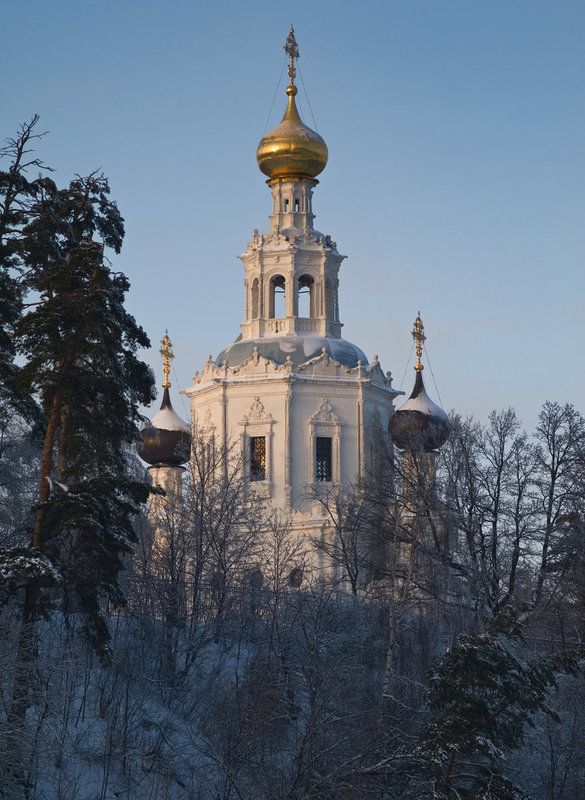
(26, 641)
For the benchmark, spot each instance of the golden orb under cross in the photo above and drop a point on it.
(292, 151)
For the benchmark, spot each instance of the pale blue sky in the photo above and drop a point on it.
(456, 135)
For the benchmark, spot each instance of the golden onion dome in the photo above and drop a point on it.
(292, 150)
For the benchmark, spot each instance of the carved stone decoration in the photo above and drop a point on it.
(324, 423)
(307, 237)
(207, 421)
(377, 374)
(203, 422)
(257, 413)
(256, 365)
(325, 413)
(290, 379)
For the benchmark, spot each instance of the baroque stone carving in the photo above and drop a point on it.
(324, 413)
(257, 413)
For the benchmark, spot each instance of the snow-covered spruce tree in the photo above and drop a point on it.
(80, 347)
(19, 413)
(16, 196)
(484, 693)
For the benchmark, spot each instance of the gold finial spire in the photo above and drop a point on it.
(167, 354)
(419, 336)
(291, 48)
(292, 151)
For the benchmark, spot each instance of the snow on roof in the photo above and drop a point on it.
(167, 420)
(301, 349)
(423, 403)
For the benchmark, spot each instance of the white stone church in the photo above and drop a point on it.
(305, 405)
(302, 405)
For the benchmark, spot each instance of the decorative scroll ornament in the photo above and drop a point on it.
(256, 412)
(325, 413)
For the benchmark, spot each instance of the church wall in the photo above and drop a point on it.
(323, 409)
(291, 412)
(298, 401)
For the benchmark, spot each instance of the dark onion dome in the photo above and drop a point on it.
(419, 425)
(300, 349)
(166, 440)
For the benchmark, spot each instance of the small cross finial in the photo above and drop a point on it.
(419, 336)
(291, 48)
(167, 354)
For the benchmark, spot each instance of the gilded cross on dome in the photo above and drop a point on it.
(167, 354)
(292, 150)
(419, 336)
(291, 48)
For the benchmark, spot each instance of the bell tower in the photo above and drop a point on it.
(305, 408)
(291, 281)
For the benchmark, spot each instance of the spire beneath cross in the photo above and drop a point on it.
(291, 48)
(419, 336)
(167, 354)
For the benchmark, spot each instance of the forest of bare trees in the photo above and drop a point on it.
(196, 651)
(449, 670)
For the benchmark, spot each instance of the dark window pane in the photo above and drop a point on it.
(323, 458)
(257, 458)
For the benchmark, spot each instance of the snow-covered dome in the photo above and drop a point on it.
(300, 349)
(420, 424)
(166, 440)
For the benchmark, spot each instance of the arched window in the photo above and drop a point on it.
(306, 297)
(254, 298)
(277, 297)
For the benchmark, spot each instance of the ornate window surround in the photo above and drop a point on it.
(257, 422)
(325, 422)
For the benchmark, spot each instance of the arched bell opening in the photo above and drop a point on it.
(277, 297)
(306, 297)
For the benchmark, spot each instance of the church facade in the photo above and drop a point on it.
(295, 406)
(303, 406)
